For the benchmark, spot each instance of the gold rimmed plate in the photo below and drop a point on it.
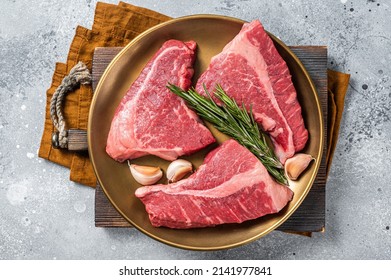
(212, 33)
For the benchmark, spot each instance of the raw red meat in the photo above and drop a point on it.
(251, 71)
(152, 120)
(231, 186)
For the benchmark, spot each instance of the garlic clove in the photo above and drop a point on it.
(295, 165)
(145, 175)
(178, 169)
(180, 173)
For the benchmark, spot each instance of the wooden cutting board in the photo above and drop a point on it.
(310, 216)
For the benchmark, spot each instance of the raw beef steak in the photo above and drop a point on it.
(231, 186)
(251, 70)
(152, 120)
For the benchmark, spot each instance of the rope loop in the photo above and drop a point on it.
(78, 75)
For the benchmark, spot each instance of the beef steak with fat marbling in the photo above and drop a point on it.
(251, 70)
(152, 120)
(231, 186)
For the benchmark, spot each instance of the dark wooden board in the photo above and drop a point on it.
(310, 216)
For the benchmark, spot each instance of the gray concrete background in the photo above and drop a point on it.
(45, 216)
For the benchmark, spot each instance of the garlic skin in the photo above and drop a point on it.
(178, 169)
(295, 165)
(145, 175)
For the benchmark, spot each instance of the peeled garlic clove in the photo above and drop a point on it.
(178, 169)
(145, 175)
(295, 165)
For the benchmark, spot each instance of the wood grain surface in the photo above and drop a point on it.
(310, 216)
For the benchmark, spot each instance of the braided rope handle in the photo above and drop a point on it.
(79, 74)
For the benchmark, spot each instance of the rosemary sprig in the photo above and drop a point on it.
(236, 122)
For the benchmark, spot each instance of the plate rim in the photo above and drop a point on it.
(317, 161)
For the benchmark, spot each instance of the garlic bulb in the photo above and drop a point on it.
(295, 165)
(178, 169)
(145, 175)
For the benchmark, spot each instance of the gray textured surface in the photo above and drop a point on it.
(45, 216)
